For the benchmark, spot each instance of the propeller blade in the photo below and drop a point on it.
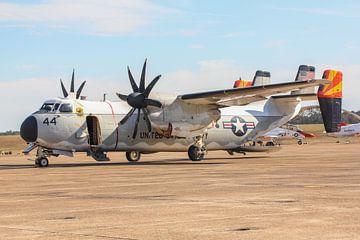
(128, 115)
(147, 120)
(132, 81)
(122, 96)
(136, 125)
(72, 88)
(151, 85)
(63, 89)
(142, 79)
(78, 93)
(152, 102)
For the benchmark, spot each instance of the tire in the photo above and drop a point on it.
(133, 156)
(195, 154)
(43, 162)
(300, 142)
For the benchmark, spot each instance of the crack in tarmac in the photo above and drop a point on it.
(66, 234)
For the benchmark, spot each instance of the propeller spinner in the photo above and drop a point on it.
(139, 100)
(72, 88)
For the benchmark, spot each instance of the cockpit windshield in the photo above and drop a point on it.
(66, 108)
(47, 107)
(55, 106)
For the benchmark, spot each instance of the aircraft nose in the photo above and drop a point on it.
(29, 130)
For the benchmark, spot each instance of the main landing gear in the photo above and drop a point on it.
(198, 150)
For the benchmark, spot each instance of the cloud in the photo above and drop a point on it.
(318, 11)
(99, 17)
(209, 74)
(274, 43)
(24, 96)
(28, 67)
(238, 34)
(197, 46)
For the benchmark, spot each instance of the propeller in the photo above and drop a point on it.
(139, 100)
(72, 87)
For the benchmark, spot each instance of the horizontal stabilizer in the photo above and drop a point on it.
(302, 96)
(243, 96)
(304, 73)
(261, 78)
(242, 83)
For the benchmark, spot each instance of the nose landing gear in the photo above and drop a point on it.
(133, 156)
(41, 162)
(41, 158)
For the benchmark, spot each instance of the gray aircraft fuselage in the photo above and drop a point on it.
(67, 129)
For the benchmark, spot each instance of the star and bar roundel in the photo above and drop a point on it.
(238, 126)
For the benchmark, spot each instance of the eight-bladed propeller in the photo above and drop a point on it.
(72, 88)
(139, 100)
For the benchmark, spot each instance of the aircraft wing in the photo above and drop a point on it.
(246, 95)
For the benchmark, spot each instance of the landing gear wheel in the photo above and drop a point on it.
(133, 156)
(42, 162)
(300, 142)
(195, 154)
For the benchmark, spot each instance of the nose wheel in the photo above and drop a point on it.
(133, 156)
(42, 162)
(41, 158)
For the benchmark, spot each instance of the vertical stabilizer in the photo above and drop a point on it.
(330, 97)
(261, 78)
(242, 83)
(304, 73)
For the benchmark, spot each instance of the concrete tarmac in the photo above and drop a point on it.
(300, 192)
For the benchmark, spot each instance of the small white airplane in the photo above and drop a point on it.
(147, 123)
(288, 131)
(347, 130)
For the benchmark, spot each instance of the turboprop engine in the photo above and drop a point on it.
(166, 115)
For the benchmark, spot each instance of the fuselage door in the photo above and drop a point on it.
(94, 130)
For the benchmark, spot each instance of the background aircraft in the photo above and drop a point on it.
(348, 130)
(288, 131)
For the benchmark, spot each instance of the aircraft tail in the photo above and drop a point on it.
(304, 73)
(261, 78)
(330, 98)
(242, 83)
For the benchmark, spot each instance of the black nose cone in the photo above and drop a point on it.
(29, 130)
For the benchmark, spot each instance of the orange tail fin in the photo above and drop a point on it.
(330, 98)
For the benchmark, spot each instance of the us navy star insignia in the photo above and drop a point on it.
(238, 126)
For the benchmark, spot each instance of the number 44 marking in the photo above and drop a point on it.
(47, 122)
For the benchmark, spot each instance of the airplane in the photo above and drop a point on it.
(288, 131)
(143, 122)
(347, 130)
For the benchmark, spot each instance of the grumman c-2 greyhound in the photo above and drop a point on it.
(147, 123)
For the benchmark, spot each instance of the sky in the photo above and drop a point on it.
(195, 45)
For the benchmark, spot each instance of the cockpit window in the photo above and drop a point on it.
(56, 107)
(46, 107)
(66, 108)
